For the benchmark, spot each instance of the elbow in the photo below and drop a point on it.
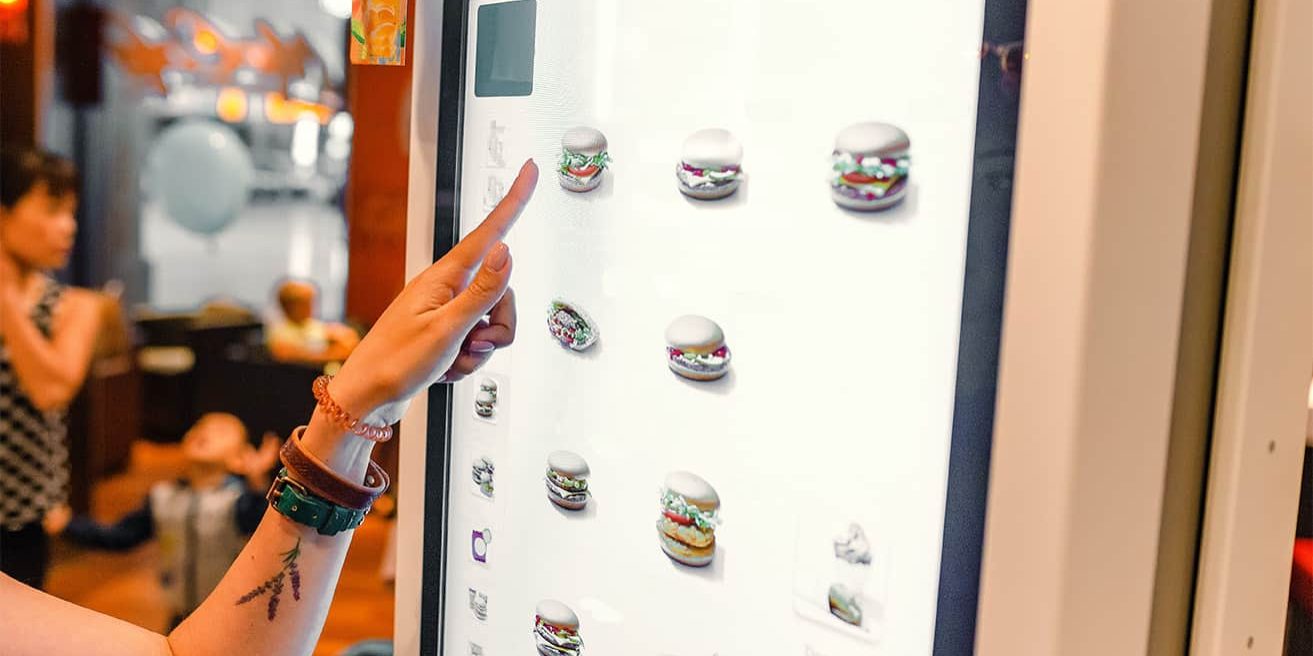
(52, 396)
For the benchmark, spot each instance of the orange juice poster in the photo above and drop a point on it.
(378, 32)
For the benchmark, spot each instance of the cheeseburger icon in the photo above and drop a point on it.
(870, 166)
(556, 629)
(711, 164)
(695, 348)
(687, 528)
(567, 480)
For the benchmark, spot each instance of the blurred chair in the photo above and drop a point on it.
(214, 360)
(235, 373)
(166, 361)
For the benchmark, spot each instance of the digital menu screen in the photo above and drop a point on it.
(726, 424)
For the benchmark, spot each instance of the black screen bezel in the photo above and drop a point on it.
(975, 388)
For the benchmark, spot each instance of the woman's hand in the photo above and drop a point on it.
(444, 325)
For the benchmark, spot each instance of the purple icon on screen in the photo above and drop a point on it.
(479, 541)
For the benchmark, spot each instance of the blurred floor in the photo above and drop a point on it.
(124, 585)
(269, 240)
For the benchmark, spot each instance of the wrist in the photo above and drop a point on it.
(358, 399)
(342, 450)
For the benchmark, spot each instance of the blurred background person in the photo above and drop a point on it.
(201, 520)
(298, 336)
(47, 333)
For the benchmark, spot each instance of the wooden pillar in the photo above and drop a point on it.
(379, 101)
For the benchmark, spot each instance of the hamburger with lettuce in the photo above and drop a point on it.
(870, 166)
(583, 159)
(687, 527)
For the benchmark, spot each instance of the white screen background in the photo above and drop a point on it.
(843, 326)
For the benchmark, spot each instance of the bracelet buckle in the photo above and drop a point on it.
(281, 481)
(294, 501)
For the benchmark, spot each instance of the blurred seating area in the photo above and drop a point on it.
(210, 361)
(169, 369)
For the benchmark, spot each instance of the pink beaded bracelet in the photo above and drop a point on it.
(344, 419)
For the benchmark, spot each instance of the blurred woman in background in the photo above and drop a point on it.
(47, 333)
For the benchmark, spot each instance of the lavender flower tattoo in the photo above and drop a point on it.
(274, 584)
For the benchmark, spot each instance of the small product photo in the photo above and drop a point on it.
(570, 325)
(711, 165)
(567, 480)
(690, 510)
(584, 159)
(485, 400)
(870, 167)
(482, 471)
(556, 629)
(695, 348)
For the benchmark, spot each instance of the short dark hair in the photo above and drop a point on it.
(22, 169)
(284, 290)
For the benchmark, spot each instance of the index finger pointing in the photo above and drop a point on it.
(469, 252)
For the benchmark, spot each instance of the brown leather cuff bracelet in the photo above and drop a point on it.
(320, 479)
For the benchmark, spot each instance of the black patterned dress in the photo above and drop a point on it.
(33, 461)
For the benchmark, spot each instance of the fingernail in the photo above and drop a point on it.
(480, 346)
(497, 258)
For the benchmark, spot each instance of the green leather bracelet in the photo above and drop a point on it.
(298, 504)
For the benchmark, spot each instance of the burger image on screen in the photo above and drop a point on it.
(844, 604)
(490, 386)
(870, 166)
(556, 630)
(695, 348)
(687, 527)
(482, 472)
(570, 325)
(567, 480)
(711, 164)
(583, 159)
(485, 404)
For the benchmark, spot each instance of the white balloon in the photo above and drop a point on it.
(202, 172)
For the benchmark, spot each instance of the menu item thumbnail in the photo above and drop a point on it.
(567, 480)
(479, 605)
(485, 402)
(482, 472)
(583, 159)
(853, 547)
(480, 540)
(695, 348)
(844, 604)
(687, 528)
(571, 326)
(711, 164)
(556, 630)
(853, 552)
(870, 166)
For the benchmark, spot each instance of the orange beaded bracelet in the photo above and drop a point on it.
(344, 419)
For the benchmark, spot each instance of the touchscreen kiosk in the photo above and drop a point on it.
(759, 285)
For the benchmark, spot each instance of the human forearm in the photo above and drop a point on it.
(37, 624)
(275, 597)
(418, 340)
